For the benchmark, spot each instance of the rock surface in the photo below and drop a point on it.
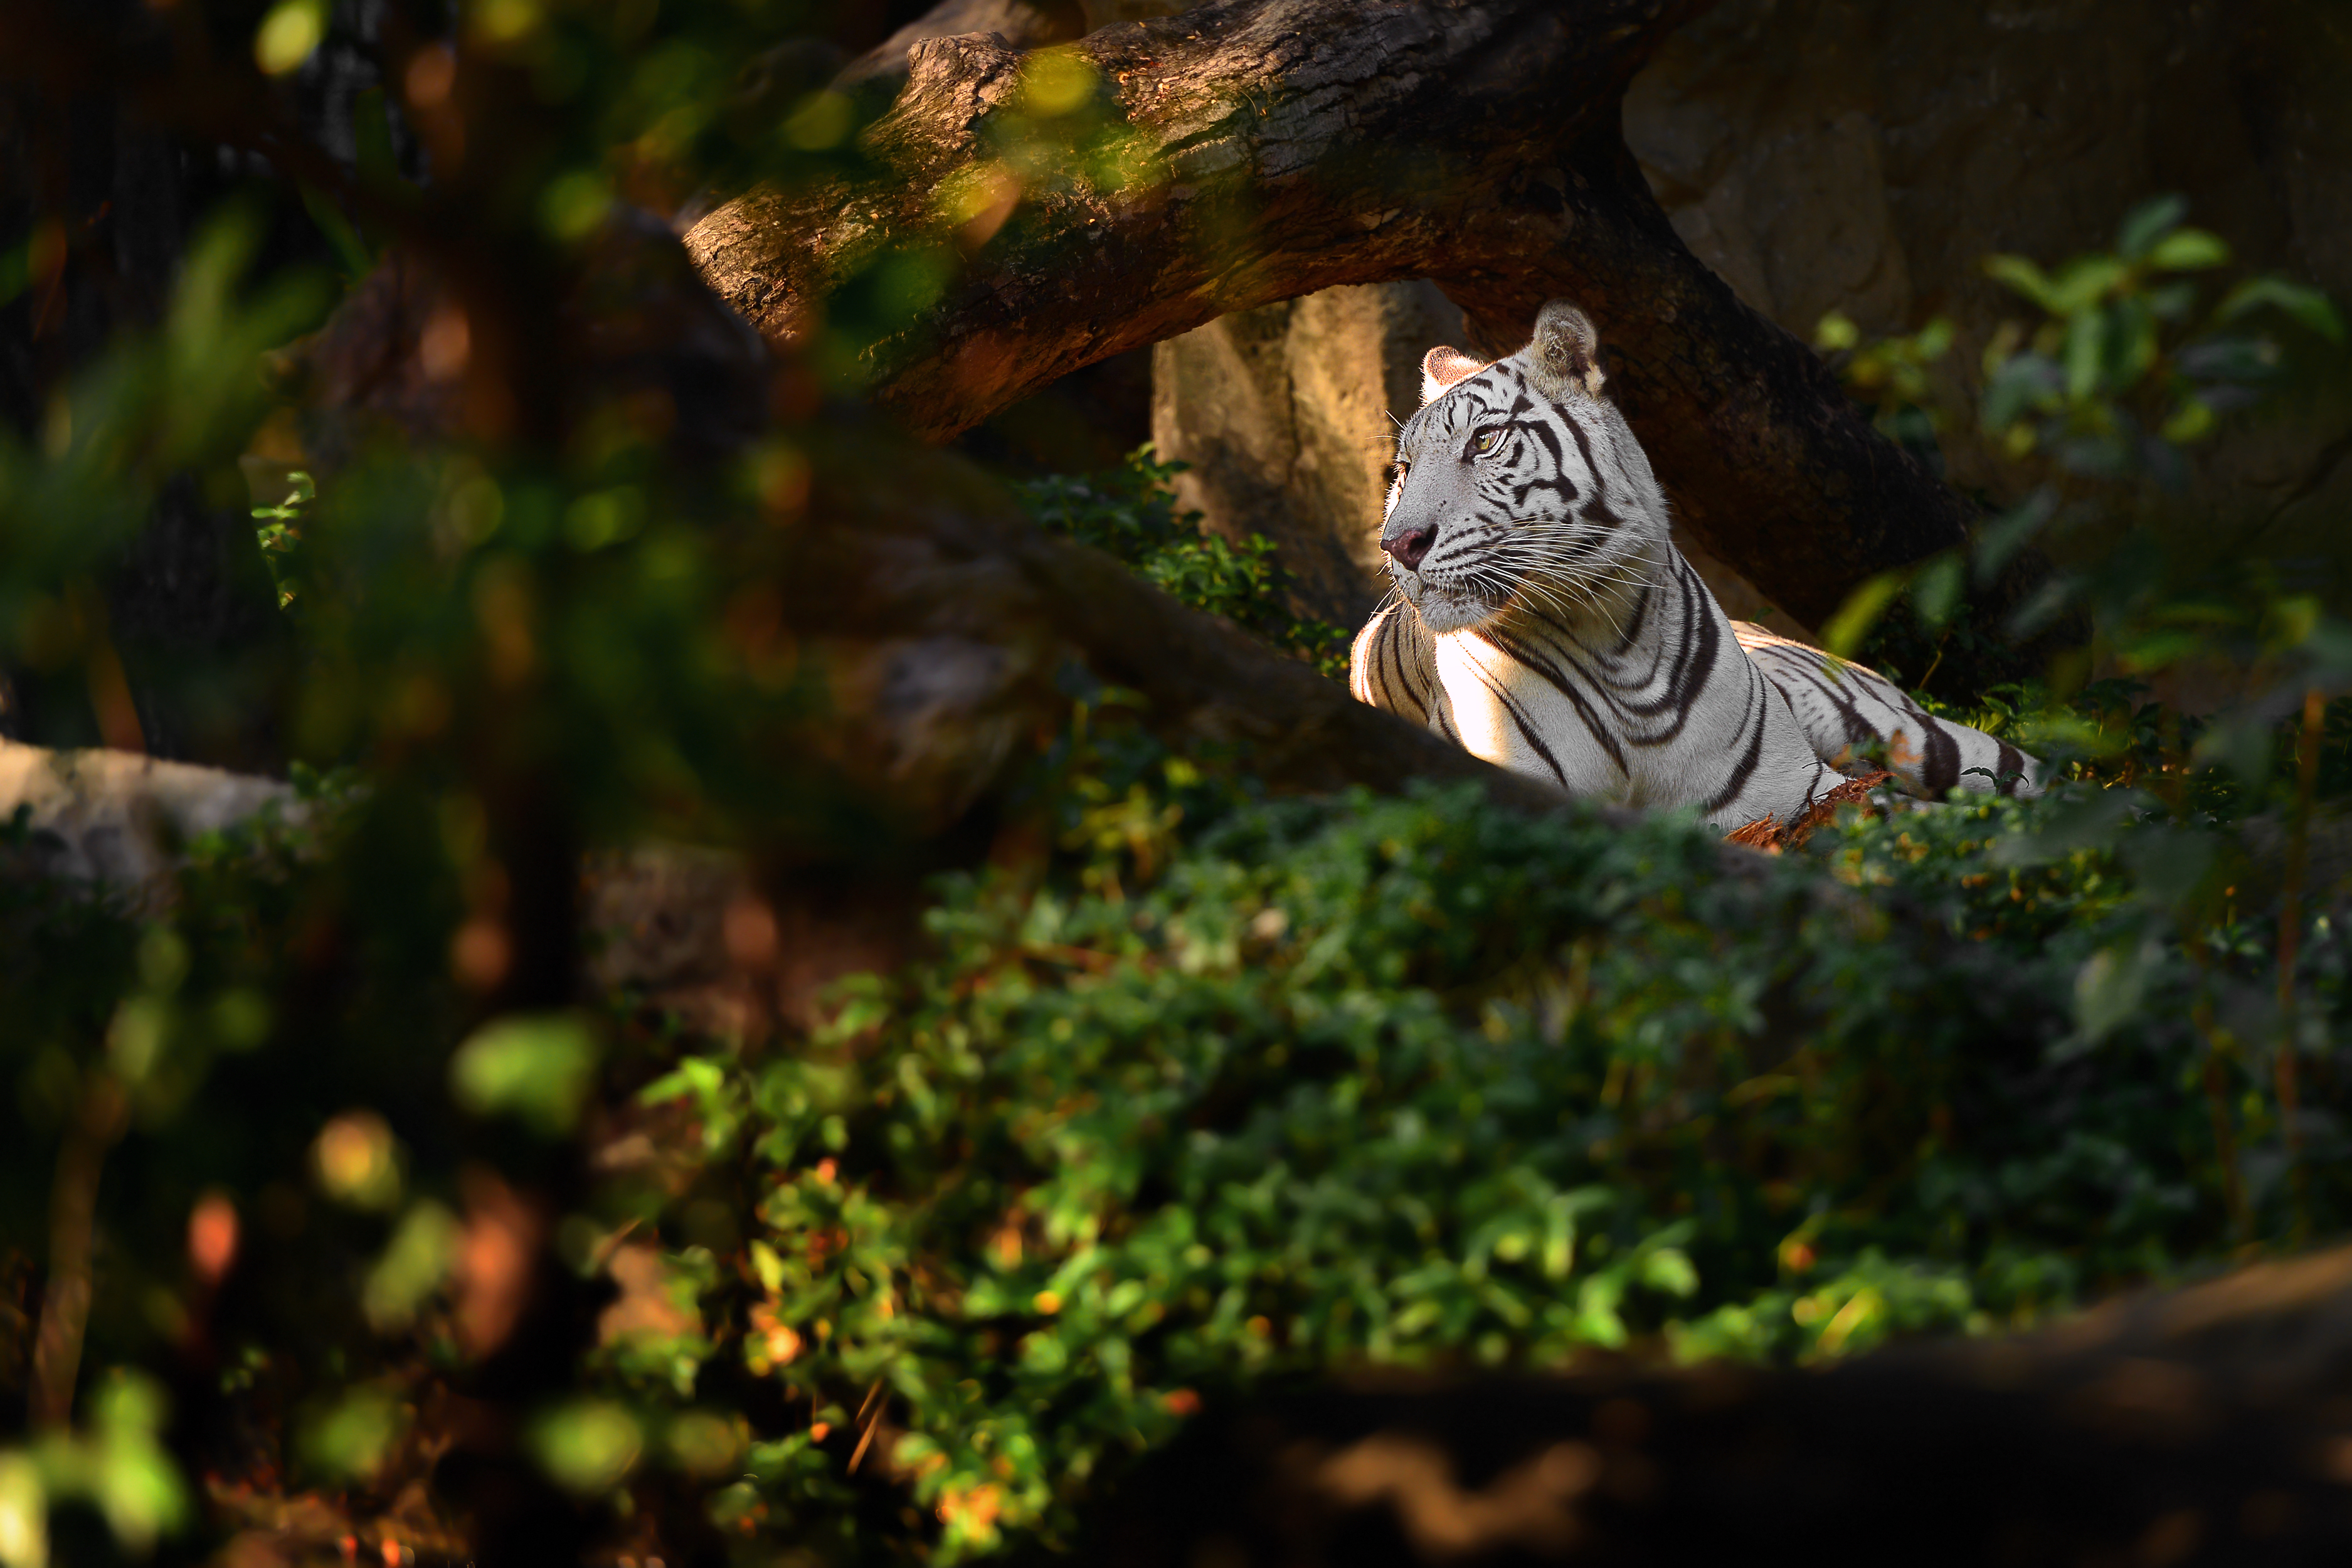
(1283, 414)
(1287, 415)
(1865, 155)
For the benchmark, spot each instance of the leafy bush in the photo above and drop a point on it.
(1311, 1083)
(1131, 512)
(2093, 407)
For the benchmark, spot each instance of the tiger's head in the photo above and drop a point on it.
(1518, 481)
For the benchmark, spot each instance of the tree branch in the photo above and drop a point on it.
(1280, 147)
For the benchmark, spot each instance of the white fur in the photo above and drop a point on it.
(1552, 627)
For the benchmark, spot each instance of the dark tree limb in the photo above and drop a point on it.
(938, 616)
(936, 554)
(1291, 145)
(2200, 1425)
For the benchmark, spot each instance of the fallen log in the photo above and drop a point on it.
(2196, 1425)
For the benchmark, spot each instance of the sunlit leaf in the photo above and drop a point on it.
(290, 34)
(1842, 632)
(2188, 251)
(24, 1513)
(422, 1251)
(588, 1445)
(350, 1441)
(537, 1068)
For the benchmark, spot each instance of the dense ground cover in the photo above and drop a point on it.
(1230, 1089)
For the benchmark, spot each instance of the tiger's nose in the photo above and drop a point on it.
(1409, 548)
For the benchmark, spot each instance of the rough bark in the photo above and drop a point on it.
(1290, 145)
(1020, 23)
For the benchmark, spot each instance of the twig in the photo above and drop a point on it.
(2298, 853)
(73, 1217)
(866, 1437)
(2217, 1102)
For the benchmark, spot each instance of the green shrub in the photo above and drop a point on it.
(1292, 1085)
(1131, 514)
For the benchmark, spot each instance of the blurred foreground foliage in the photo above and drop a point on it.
(1215, 1089)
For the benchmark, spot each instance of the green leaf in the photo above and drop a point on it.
(2083, 821)
(2147, 223)
(2084, 282)
(2021, 277)
(2188, 251)
(2131, 343)
(1936, 590)
(589, 1446)
(419, 1257)
(1669, 1269)
(537, 1068)
(130, 1477)
(2086, 341)
(2308, 306)
(1844, 632)
(24, 1513)
(2109, 987)
(2191, 421)
(349, 1441)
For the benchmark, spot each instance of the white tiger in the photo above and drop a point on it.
(1547, 623)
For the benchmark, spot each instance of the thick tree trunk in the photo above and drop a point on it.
(1285, 146)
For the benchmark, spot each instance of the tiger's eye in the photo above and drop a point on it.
(1488, 442)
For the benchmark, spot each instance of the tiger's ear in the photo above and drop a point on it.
(1441, 368)
(1564, 356)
